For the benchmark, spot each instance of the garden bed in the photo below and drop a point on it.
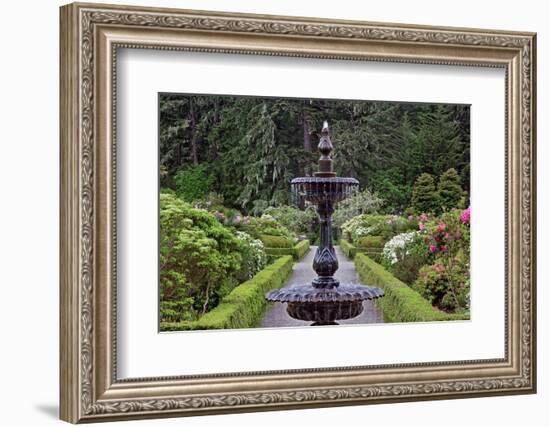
(297, 251)
(350, 250)
(400, 303)
(244, 306)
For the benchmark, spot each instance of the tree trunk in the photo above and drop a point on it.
(194, 150)
(307, 141)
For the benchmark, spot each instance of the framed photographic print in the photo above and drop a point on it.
(267, 212)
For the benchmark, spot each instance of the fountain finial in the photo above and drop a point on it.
(325, 148)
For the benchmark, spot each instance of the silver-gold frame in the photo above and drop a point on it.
(90, 37)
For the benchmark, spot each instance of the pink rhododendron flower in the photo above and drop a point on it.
(447, 235)
(440, 227)
(423, 217)
(421, 226)
(443, 248)
(433, 249)
(465, 216)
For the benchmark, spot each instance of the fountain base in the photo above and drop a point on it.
(324, 306)
(324, 313)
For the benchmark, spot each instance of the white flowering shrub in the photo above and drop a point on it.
(386, 226)
(398, 247)
(253, 254)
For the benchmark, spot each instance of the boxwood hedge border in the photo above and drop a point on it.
(400, 303)
(244, 306)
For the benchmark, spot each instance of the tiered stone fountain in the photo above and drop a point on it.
(325, 300)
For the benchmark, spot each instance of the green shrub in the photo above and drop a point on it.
(446, 282)
(447, 287)
(424, 197)
(297, 251)
(347, 248)
(385, 226)
(254, 257)
(265, 225)
(279, 252)
(244, 306)
(272, 258)
(276, 241)
(193, 183)
(184, 325)
(364, 202)
(449, 190)
(400, 303)
(375, 242)
(303, 222)
(375, 256)
(404, 255)
(199, 259)
(300, 249)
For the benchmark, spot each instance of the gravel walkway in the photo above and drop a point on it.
(277, 316)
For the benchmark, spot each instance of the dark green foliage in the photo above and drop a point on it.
(371, 242)
(300, 249)
(276, 241)
(265, 225)
(424, 195)
(254, 257)
(304, 222)
(253, 147)
(193, 183)
(297, 251)
(278, 252)
(400, 303)
(449, 190)
(385, 226)
(394, 191)
(199, 259)
(446, 281)
(348, 249)
(363, 202)
(244, 306)
(408, 267)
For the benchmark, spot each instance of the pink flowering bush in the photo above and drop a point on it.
(445, 281)
(465, 216)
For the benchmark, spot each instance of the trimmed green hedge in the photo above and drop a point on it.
(244, 306)
(400, 303)
(375, 242)
(350, 250)
(297, 251)
(300, 249)
(276, 241)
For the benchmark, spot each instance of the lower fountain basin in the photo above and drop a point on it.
(324, 313)
(324, 306)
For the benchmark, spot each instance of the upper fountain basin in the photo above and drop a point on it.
(318, 189)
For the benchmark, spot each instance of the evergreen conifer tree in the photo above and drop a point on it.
(449, 190)
(424, 196)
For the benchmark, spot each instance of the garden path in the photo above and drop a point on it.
(277, 316)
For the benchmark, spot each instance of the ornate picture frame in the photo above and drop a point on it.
(90, 37)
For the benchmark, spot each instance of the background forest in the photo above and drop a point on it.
(248, 149)
(230, 229)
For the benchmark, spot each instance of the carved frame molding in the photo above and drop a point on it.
(90, 36)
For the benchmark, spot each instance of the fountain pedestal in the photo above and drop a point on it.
(325, 300)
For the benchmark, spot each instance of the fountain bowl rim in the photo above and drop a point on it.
(324, 180)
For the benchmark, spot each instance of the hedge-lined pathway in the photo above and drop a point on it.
(303, 274)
